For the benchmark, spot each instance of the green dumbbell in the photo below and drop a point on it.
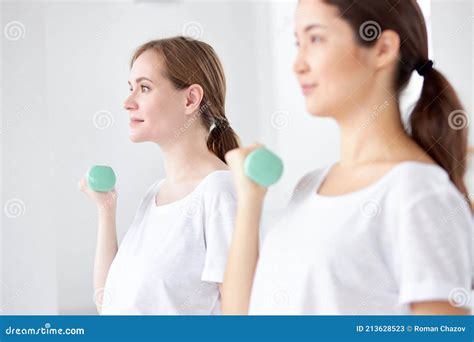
(263, 167)
(101, 178)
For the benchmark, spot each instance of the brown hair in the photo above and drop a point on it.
(188, 61)
(432, 121)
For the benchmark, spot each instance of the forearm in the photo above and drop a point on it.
(436, 308)
(242, 258)
(106, 250)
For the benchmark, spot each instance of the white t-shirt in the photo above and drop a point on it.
(405, 238)
(174, 255)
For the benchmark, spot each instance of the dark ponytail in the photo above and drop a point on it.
(222, 138)
(438, 121)
(438, 124)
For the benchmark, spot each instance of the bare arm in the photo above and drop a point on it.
(106, 249)
(243, 253)
(242, 259)
(436, 308)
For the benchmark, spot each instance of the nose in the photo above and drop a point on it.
(300, 66)
(130, 103)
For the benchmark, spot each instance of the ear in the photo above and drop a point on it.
(386, 49)
(194, 95)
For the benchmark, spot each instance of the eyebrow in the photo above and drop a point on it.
(312, 26)
(141, 79)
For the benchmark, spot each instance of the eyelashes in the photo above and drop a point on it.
(314, 39)
(143, 88)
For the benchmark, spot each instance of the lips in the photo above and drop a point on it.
(307, 88)
(136, 120)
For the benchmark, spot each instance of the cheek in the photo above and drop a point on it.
(340, 76)
(164, 111)
(350, 77)
(163, 117)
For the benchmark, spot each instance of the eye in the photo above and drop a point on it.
(316, 39)
(297, 44)
(144, 88)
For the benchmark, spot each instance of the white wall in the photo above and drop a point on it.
(453, 52)
(28, 234)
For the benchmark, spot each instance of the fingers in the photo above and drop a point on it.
(82, 185)
(237, 154)
(232, 156)
(254, 146)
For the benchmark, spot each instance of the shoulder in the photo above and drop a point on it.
(415, 180)
(427, 190)
(308, 182)
(153, 188)
(218, 183)
(218, 195)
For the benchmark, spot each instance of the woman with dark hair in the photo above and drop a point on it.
(388, 228)
(172, 259)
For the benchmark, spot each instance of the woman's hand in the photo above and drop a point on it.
(103, 200)
(245, 187)
(243, 253)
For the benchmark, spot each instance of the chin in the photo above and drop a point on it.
(314, 110)
(136, 138)
(318, 109)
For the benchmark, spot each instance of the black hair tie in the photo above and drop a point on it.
(424, 68)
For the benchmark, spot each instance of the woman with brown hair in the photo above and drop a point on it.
(388, 228)
(172, 259)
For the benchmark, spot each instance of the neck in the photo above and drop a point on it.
(371, 133)
(183, 154)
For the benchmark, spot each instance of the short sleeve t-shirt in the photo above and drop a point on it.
(405, 238)
(173, 256)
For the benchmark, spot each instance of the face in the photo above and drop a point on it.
(331, 68)
(156, 108)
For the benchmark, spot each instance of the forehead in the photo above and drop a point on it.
(311, 12)
(148, 64)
